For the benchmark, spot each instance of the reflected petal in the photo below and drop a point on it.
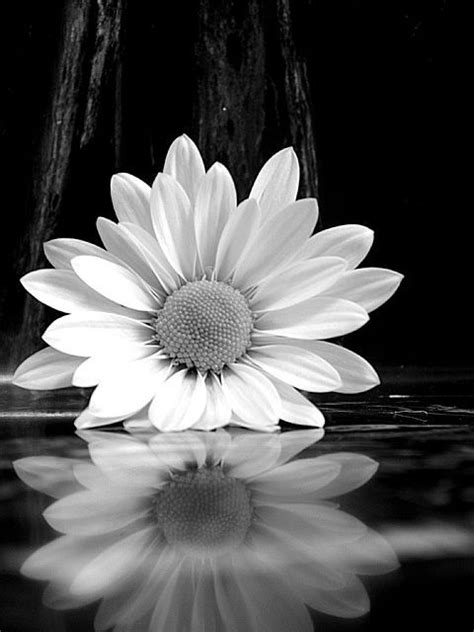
(125, 543)
(95, 513)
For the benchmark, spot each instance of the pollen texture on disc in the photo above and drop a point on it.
(204, 324)
(204, 510)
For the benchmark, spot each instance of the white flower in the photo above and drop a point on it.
(205, 531)
(202, 312)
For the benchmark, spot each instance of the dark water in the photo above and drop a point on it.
(369, 527)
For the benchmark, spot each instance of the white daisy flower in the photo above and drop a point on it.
(205, 531)
(204, 311)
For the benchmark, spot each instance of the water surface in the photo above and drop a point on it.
(369, 527)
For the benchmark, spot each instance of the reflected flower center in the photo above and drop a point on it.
(205, 325)
(204, 509)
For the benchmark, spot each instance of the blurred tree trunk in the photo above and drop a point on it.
(252, 90)
(87, 69)
(245, 96)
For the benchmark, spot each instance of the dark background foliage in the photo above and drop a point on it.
(365, 91)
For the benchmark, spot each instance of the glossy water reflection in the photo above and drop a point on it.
(194, 531)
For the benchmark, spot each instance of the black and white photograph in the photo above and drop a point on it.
(236, 368)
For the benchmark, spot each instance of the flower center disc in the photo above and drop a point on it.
(204, 324)
(204, 510)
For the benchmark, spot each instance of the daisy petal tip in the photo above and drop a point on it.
(115, 179)
(182, 146)
(185, 139)
(288, 151)
(87, 420)
(318, 423)
(162, 179)
(103, 221)
(371, 466)
(366, 233)
(47, 337)
(19, 380)
(81, 422)
(289, 158)
(117, 182)
(25, 280)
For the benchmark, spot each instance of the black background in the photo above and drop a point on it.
(384, 85)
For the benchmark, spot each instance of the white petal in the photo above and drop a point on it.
(276, 243)
(126, 608)
(257, 424)
(351, 601)
(296, 366)
(184, 164)
(205, 612)
(89, 333)
(251, 454)
(173, 609)
(277, 183)
(89, 436)
(352, 242)
(95, 512)
(139, 424)
(50, 475)
(168, 277)
(318, 317)
(292, 443)
(179, 401)
(46, 369)
(369, 287)
(356, 470)
(312, 523)
(58, 597)
(131, 200)
(357, 374)
(87, 420)
(260, 599)
(127, 462)
(238, 233)
(97, 367)
(65, 291)
(60, 252)
(61, 559)
(173, 223)
(296, 409)
(119, 242)
(113, 565)
(251, 395)
(298, 477)
(129, 388)
(373, 555)
(115, 283)
(173, 450)
(216, 199)
(218, 411)
(298, 282)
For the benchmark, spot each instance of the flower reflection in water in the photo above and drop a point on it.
(210, 532)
